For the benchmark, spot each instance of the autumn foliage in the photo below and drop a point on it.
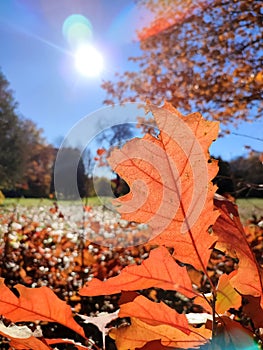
(189, 230)
(199, 55)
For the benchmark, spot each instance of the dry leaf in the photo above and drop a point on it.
(226, 296)
(31, 343)
(139, 333)
(36, 304)
(232, 239)
(21, 337)
(101, 321)
(159, 270)
(67, 341)
(154, 313)
(170, 181)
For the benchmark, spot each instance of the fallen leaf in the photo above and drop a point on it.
(170, 181)
(196, 318)
(101, 321)
(36, 304)
(232, 239)
(159, 270)
(87, 259)
(27, 279)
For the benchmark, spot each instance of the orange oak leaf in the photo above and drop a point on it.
(195, 276)
(226, 296)
(154, 313)
(231, 238)
(140, 333)
(36, 304)
(67, 341)
(31, 343)
(159, 270)
(170, 181)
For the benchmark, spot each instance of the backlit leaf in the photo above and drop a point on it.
(67, 341)
(170, 181)
(154, 313)
(226, 296)
(139, 333)
(31, 343)
(159, 270)
(232, 238)
(36, 304)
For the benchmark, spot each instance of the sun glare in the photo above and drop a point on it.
(88, 61)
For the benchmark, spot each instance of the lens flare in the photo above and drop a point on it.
(88, 61)
(77, 29)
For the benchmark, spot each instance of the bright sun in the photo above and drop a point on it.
(88, 61)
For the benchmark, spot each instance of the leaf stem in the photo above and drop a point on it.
(214, 325)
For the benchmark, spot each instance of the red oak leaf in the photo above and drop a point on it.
(140, 333)
(31, 343)
(67, 341)
(247, 280)
(36, 304)
(170, 181)
(154, 313)
(159, 270)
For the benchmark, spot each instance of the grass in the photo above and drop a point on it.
(38, 202)
(248, 207)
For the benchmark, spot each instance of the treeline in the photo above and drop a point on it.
(241, 177)
(27, 162)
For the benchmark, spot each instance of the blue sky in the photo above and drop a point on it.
(38, 62)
